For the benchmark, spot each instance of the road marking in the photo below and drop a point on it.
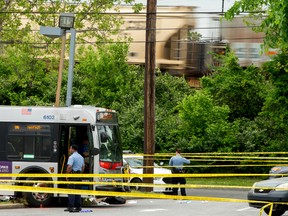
(132, 202)
(244, 209)
(153, 210)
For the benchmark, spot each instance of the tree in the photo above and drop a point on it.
(9, 22)
(26, 80)
(20, 18)
(203, 124)
(103, 78)
(275, 109)
(243, 90)
(169, 92)
(273, 16)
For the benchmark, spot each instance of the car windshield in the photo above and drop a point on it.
(136, 162)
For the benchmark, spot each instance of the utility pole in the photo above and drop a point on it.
(149, 92)
(60, 71)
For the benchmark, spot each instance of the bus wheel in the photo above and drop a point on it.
(37, 199)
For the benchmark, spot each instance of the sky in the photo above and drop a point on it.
(201, 6)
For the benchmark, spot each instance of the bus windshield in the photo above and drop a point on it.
(110, 146)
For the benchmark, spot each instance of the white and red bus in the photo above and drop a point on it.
(37, 139)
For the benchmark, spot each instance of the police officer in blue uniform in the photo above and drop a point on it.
(176, 162)
(75, 165)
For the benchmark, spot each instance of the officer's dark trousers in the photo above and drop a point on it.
(176, 181)
(74, 201)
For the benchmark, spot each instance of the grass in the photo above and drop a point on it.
(225, 181)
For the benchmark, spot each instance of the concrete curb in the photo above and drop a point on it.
(11, 205)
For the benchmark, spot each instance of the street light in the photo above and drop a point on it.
(66, 21)
(66, 24)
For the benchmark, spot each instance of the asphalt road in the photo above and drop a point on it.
(222, 193)
(156, 207)
(151, 207)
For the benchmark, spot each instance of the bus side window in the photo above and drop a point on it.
(14, 148)
(11, 149)
(46, 147)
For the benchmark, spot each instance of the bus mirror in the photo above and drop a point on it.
(95, 151)
(104, 137)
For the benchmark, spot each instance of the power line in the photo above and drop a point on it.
(158, 29)
(127, 13)
(119, 42)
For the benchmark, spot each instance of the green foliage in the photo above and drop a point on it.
(204, 124)
(104, 75)
(198, 112)
(243, 90)
(271, 124)
(236, 110)
(103, 78)
(169, 92)
(131, 120)
(10, 23)
(24, 79)
(20, 18)
(275, 110)
(250, 135)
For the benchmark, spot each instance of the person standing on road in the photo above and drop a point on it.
(75, 165)
(176, 162)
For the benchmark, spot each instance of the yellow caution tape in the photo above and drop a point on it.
(131, 194)
(219, 165)
(265, 206)
(185, 175)
(241, 160)
(110, 193)
(209, 154)
(222, 156)
(194, 186)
